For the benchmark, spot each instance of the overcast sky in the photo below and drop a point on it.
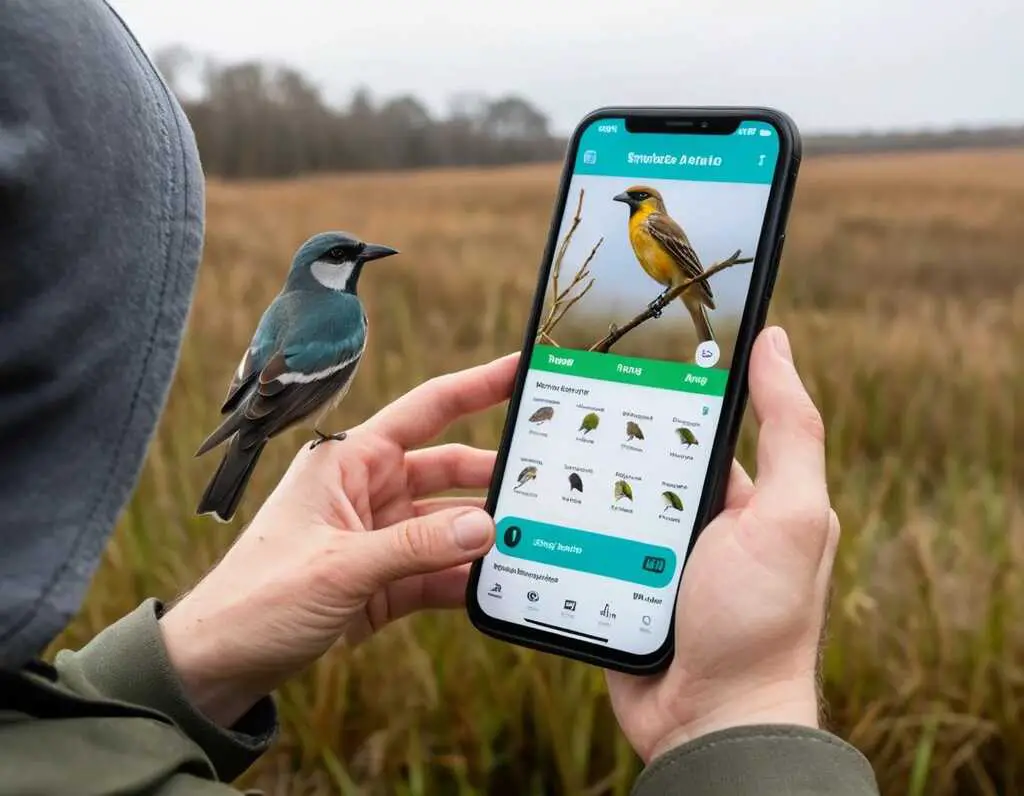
(832, 65)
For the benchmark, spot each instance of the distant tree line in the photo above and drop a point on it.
(259, 120)
(983, 138)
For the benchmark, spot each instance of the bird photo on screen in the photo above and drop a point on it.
(672, 501)
(542, 415)
(526, 475)
(589, 423)
(686, 436)
(633, 431)
(575, 482)
(666, 255)
(301, 361)
(623, 490)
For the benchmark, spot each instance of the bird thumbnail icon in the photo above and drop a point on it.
(686, 436)
(589, 423)
(542, 415)
(526, 475)
(672, 502)
(633, 431)
(623, 490)
(299, 364)
(666, 254)
(575, 483)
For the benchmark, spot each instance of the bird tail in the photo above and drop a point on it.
(699, 314)
(224, 492)
(221, 433)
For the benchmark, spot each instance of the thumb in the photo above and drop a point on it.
(791, 439)
(791, 489)
(422, 545)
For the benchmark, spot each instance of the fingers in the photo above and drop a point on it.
(444, 467)
(423, 545)
(436, 591)
(424, 412)
(791, 439)
(430, 505)
(445, 589)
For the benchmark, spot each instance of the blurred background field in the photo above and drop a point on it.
(901, 290)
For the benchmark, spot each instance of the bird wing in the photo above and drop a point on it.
(305, 353)
(276, 405)
(317, 358)
(664, 229)
(263, 346)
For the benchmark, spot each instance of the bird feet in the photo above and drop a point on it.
(322, 438)
(653, 306)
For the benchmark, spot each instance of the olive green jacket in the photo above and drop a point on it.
(112, 719)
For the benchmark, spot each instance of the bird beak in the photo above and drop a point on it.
(621, 197)
(375, 252)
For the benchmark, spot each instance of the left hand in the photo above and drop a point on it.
(350, 540)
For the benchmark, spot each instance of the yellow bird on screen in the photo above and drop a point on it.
(666, 255)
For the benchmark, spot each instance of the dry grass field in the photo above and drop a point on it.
(901, 288)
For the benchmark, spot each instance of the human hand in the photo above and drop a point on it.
(752, 600)
(348, 541)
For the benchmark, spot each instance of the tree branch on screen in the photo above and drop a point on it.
(616, 333)
(563, 300)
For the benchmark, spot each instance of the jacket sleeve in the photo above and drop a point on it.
(768, 760)
(127, 663)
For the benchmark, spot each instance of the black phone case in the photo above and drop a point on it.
(762, 282)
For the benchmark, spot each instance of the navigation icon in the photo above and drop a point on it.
(707, 354)
(513, 535)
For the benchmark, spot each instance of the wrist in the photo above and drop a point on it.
(791, 703)
(213, 689)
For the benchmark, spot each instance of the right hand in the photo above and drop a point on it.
(751, 605)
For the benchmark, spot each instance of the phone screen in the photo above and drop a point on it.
(609, 452)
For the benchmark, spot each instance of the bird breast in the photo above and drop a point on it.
(656, 262)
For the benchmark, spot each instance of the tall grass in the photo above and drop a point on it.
(901, 290)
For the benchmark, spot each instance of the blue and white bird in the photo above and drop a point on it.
(302, 359)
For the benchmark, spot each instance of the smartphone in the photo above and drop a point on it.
(632, 382)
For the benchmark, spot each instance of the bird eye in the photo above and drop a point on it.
(337, 253)
(642, 195)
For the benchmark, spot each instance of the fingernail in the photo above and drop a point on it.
(472, 529)
(781, 341)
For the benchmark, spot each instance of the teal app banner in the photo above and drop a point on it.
(585, 551)
(748, 155)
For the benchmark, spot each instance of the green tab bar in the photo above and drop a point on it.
(585, 551)
(630, 370)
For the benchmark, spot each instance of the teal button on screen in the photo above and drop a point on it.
(584, 551)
